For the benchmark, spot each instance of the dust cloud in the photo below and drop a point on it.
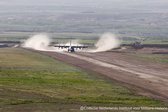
(37, 42)
(106, 42)
(42, 42)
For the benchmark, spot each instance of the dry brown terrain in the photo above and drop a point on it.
(146, 77)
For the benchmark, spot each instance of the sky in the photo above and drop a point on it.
(104, 4)
(83, 2)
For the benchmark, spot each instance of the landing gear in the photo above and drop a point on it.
(71, 49)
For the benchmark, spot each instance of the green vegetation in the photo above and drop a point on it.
(152, 57)
(146, 42)
(86, 38)
(29, 79)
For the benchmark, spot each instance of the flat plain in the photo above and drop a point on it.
(30, 81)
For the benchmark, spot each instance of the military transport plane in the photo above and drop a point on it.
(71, 47)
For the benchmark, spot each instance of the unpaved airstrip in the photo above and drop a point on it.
(145, 77)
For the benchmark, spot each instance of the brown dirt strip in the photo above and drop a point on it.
(143, 86)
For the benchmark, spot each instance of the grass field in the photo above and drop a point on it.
(86, 38)
(153, 57)
(17, 36)
(33, 82)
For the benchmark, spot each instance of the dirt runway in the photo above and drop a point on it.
(146, 77)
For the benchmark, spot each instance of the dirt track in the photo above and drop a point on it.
(148, 78)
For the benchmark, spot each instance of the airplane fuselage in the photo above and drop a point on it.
(71, 49)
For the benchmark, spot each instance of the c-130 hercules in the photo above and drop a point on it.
(71, 47)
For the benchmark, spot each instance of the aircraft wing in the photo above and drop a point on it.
(74, 46)
(61, 46)
(80, 46)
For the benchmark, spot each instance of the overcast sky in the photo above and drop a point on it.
(155, 5)
(82, 2)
